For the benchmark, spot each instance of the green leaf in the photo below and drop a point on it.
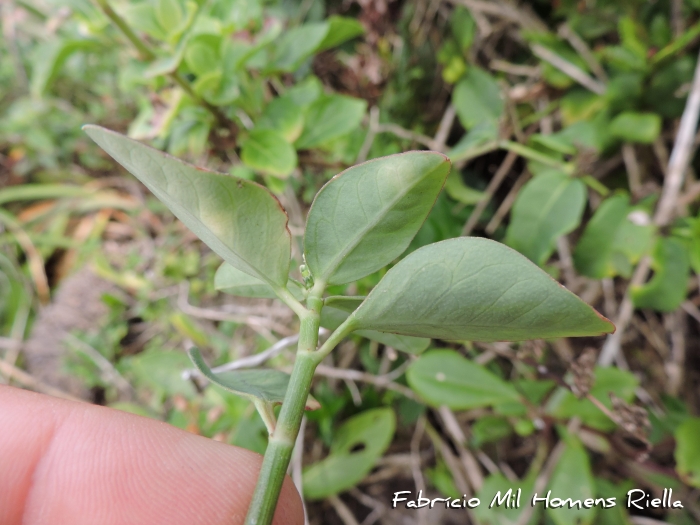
(668, 287)
(687, 452)
(285, 116)
(367, 215)
(297, 44)
(611, 244)
(478, 290)
(267, 385)
(161, 371)
(563, 404)
(477, 99)
(235, 282)
(202, 54)
(341, 29)
(355, 448)
(547, 207)
(631, 126)
(444, 377)
(50, 60)
(347, 303)
(330, 117)
(238, 219)
(332, 318)
(460, 192)
(267, 151)
(572, 478)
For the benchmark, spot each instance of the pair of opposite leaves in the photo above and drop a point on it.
(360, 221)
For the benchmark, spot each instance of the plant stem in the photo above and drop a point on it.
(281, 443)
(147, 54)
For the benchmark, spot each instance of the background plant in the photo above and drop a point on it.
(431, 73)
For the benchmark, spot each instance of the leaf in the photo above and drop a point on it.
(478, 290)
(202, 54)
(297, 44)
(160, 371)
(572, 478)
(347, 303)
(367, 215)
(238, 219)
(285, 116)
(444, 377)
(330, 117)
(267, 385)
(267, 151)
(563, 404)
(355, 448)
(50, 60)
(460, 192)
(687, 452)
(235, 282)
(611, 244)
(668, 287)
(477, 99)
(340, 30)
(332, 318)
(631, 126)
(547, 207)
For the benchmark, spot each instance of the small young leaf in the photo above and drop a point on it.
(460, 192)
(356, 447)
(366, 216)
(444, 377)
(238, 219)
(330, 117)
(668, 288)
(266, 150)
(283, 115)
(267, 385)
(478, 290)
(548, 206)
(235, 282)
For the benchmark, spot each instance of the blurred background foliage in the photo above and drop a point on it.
(562, 122)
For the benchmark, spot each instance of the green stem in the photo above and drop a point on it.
(147, 54)
(534, 155)
(281, 443)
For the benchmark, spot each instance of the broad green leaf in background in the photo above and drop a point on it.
(477, 99)
(572, 478)
(50, 61)
(332, 318)
(668, 287)
(563, 404)
(547, 207)
(297, 44)
(238, 219)
(611, 243)
(267, 151)
(330, 117)
(687, 452)
(346, 303)
(478, 290)
(235, 282)
(283, 115)
(160, 371)
(367, 215)
(355, 448)
(202, 54)
(631, 126)
(340, 29)
(460, 192)
(444, 377)
(268, 385)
